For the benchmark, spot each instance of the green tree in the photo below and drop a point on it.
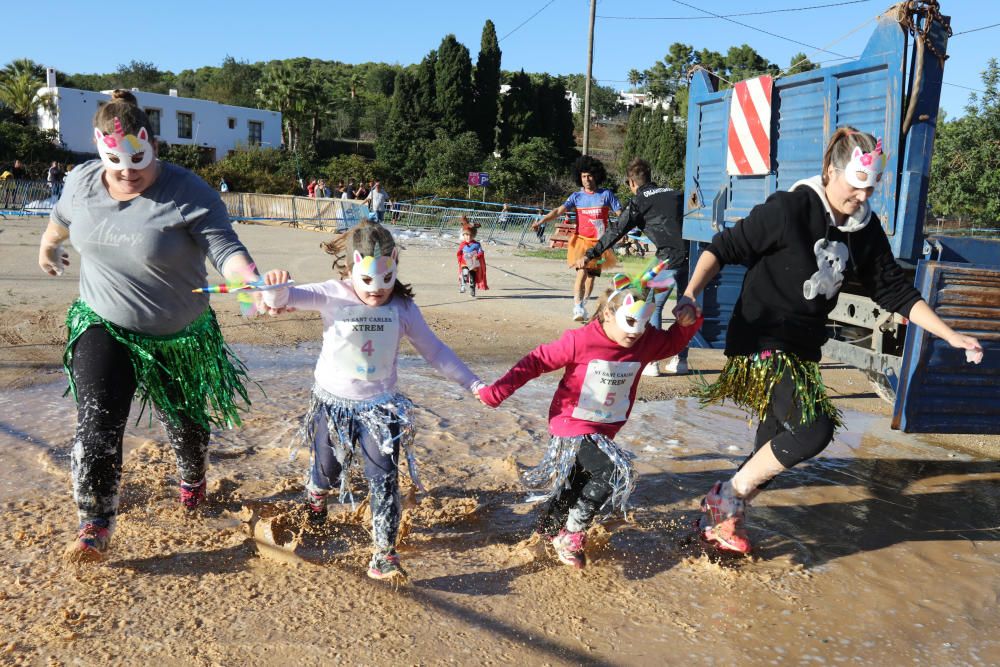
(487, 87)
(800, 63)
(235, 82)
(635, 78)
(453, 86)
(965, 167)
(281, 90)
(450, 159)
(518, 121)
(142, 75)
(20, 81)
(400, 148)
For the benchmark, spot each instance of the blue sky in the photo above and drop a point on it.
(182, 34)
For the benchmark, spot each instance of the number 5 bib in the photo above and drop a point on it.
(365, 341)
(605, 391)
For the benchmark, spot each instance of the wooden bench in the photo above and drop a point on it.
(564, 231)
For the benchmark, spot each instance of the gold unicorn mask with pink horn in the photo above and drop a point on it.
(121, 151)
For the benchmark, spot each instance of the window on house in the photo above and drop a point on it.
(256, 132)
(232, 123)
(184, 124)
(154, 121)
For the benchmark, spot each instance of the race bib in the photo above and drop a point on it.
(365, 341)
(605, 391)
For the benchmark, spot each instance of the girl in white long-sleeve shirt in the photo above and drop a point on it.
(356, 415)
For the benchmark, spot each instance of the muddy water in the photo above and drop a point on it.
(883, 550)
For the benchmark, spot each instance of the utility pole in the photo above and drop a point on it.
(586, 89)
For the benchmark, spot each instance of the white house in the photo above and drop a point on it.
(217, 128)
(630, 100)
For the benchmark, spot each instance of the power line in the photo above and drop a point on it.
(985, 27)
(955, 85)
(526, 20)
(787, 39)
(727, 16)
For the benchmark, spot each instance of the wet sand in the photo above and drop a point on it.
(883, 550)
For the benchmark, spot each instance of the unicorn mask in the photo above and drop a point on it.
(371, 274)
(633, 316)
(865, 169)
(124, 151)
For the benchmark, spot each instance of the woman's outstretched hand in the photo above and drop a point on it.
(973, 350)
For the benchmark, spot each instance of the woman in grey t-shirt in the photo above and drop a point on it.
(143, 230)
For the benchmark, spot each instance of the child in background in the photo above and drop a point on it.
(357, 417)
(471, 261)
(584, 471)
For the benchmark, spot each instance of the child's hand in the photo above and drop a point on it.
(687, 311)
(276, 277)
(476, 389)
(268, 300)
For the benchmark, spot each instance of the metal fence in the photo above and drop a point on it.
(502, 227)
(22, 197)
(318, 214)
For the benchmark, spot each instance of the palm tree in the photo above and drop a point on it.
(20, 81)
(635, 77)
(355, 82)
(281, 89)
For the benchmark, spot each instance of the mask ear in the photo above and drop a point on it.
(143, 136)
(98, 135)
(628, 300)
(857, 153)
(357, 257)
(395, 254)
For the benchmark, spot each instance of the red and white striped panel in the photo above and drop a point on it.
(749, 152)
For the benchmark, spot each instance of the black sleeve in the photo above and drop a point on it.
(629, 219)
(754, 236)
(885, 280)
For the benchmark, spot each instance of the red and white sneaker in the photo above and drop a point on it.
(192, 494)
(569, 548)
(722, 524)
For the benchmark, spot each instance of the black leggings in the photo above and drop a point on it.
(589, 488)
(105, 384)
(791, 442)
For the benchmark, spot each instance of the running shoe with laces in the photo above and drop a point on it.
(316, 504)
(192, 494)
(569, 548)
(91, 542)
(723, 521)
(385, 565)
(579, 313)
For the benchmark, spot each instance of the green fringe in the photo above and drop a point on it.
(748, 381)
(192, 372)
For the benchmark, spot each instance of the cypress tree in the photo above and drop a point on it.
(400, 147)
(517, 112)
(453, 83)
(487, 87)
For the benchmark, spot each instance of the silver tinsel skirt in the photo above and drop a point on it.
(547, 480)
(344, 417)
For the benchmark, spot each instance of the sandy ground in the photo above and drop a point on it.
(882, 550)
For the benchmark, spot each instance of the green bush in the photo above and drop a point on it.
(36, 148)
(263, 170)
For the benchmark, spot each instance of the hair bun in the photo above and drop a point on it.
(121, 95)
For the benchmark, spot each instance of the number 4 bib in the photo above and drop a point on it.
(366, 341)
(605, 391)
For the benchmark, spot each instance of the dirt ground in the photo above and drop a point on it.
(883, 550)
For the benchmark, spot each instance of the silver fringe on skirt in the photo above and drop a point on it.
(546, 480)
(343, 419)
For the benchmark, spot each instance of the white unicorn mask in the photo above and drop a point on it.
(372, 274)
(633, 316)
(865, 169)
(121, 151)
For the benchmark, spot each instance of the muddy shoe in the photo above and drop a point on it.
(385, 565)
(722, 523)
(91, 543)
(569, 548)
(316, 505)
(192, 494)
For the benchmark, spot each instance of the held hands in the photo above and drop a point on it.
(581, 263)
(273, 277)
(686, 311)
(973, 350)
(53, 259)
(477, 387)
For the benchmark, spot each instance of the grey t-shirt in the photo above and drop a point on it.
(140, 259)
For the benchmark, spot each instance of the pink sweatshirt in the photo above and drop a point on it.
(361, 343)
(598, 388)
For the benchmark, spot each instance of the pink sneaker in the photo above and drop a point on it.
(192, 495)
(91, 543)
(722, 524)
(569, 548)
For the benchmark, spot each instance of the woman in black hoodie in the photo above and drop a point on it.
(798, 245)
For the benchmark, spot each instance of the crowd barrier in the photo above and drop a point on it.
(502, 227)
(23, 197)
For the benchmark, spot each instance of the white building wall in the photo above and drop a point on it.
(210, 123)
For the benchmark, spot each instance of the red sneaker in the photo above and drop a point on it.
(192, 494)
(722, 524)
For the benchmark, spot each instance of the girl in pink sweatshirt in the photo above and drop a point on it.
(357, 416)
(584, 472)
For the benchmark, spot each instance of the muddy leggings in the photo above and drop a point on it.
(105, 385)
(791, 442)
(589, 488)
(381, 470)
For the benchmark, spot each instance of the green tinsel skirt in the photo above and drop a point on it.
(749, 380)
(192, 372)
